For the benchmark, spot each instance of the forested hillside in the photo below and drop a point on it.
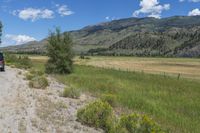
(173, 36)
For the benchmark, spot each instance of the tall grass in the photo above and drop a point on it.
(20, 61)
(173, 103)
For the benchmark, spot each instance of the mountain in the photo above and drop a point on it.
(173, 36)
(30, 47)
(177, 42)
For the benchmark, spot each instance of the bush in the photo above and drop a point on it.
(10, 58)
(60, 53)
(23, 62)
(36, 72)
(82, 56)
(18, 61)
(33, 73)
(71, 93)
(98, 114)
(138, 123)
(109, 98)
(37, 79)
(38, 82)
(29, 76)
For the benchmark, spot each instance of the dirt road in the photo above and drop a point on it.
(26, 110)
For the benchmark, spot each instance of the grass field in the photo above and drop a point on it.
(171, 102)
(186, 67)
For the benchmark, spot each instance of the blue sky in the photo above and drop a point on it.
(28, 20)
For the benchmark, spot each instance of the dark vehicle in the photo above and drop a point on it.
(2, 63)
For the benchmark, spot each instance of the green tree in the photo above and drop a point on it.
(60, 53)
(1, 26)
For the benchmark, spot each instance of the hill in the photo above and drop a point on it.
(173, 36)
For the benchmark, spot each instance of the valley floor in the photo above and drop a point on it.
(186, 67)
(26, 110)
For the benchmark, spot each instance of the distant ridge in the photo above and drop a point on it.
(172, 36)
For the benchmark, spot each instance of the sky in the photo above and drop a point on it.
(31, 20)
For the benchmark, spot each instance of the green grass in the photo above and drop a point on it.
(186, 67)
(171, 102)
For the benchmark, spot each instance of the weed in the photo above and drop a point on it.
(109, 98)
(38, 82)
(71, 93)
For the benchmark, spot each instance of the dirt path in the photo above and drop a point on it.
(25, 110)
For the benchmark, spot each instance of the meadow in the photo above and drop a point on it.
(173, 102)
(186, 67)
(182, 67)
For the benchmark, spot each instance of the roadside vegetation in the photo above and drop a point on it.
(171, 102)
(19, 61)
(101, 115)
(37, 79)
(71, 93)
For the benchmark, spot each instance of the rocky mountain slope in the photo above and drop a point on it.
(173, 36)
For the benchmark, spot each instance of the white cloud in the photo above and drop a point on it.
(34, 14)
(63, 10)
(154, 16)
(111, 18)
(17, 39)
(152, 8)
(194, 12)
(107, 18)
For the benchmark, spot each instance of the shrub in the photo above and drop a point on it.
(109, 98)
(18, 61)
(23, 62)
(29, 76)
(82, 56)
(60, 53)
(138, 123)
(33, 73)
(36, 72)
(10, 58)
(38, 82)
(71, 93)
(98, 114)
(37, 79)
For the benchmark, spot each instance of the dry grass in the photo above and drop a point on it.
(189, 68)
(36, 57)
(186, 67)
